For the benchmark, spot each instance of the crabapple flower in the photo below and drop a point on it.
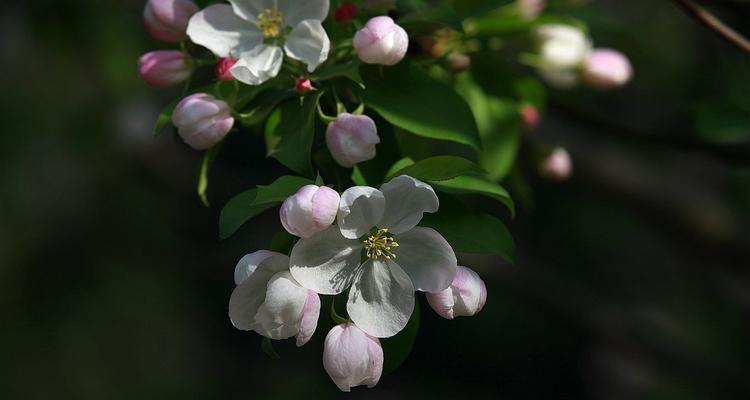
(557, 166)
(561, 51)
(465, 296)
(377, 251)
(303, 86)
(352, 139)
(167, 20)
(223, 68)
(381, 41)
(310, 210)
(269, 301)
(347, 12)
(163, 67)
(202, 120)
(606, 69)
(254, 32)
(351, 357)
(530, 9)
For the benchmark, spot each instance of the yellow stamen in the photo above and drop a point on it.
(380, 244)
(269, 22)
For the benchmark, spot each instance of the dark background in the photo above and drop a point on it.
(631, 282)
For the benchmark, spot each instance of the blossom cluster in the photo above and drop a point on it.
(274, 63)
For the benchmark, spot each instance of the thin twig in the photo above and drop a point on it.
(715, 24)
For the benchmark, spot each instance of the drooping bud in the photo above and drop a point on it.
(303, 86)
(557, 166)
(463, 298)
(606, 69)
(529, 116)
(458, 62)
(223, 68)
(381, 41)
(530, 9)
(163, 67)
(202, 120)
(351, 139)
(167, 20)
(310, 210)
(351, 357)
(347, 12)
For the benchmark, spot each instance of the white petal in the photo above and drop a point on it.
(381, 299)
(296, 11)
(309, 43)
(258, 65)
(249, 263)
(248, 296)
(406, 199)
(310, 315)
(249, 9)
(220, 30)
(427, 258)
(326, 262)
(280, 314)
(360, 209)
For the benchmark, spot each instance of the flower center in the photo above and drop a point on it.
(380, 244)
(269, 22)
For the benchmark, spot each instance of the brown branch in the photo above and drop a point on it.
(715, 24)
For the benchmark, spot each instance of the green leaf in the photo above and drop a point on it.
(472, 184)
(409, 98)
(438, 168)
(290, 131)
(469, 232)
(165, 118)
(399, 165)
(265, 104)
(499, 125)
(282, 242)
(252, 202)
(722, 123)
(357, 177)
(348, 70)
(208, 160)
(427, 19)
(397, 348)
(267, 348)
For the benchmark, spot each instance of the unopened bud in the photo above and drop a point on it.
(351, 139)
(463, 298)
(381, 41)
(347, 12)
(304, 85)
(529, 116)
(167, 20)
(163, 67)
(310, 210)
(606, 69)
(458, 62)
(223, 68)
(202, 120)
(557, 166)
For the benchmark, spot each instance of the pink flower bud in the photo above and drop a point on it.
(557, 166)
(202, 120)
(310, 210)
(223, 68)
(163, 67)
(167, 20)
(304, 86)
(530, 9)
(529, 116)
(352, 358)
(463, 298)
(381, 41)
(458, 62)
(352, 139)
(347, 12)
(606, 69)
